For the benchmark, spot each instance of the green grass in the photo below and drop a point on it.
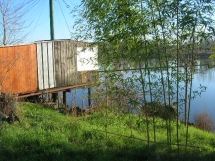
(45, 134)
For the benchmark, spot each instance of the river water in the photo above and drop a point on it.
(205, 102)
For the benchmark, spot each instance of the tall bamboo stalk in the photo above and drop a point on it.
(148, 72)
(144, 97)
(168, 122)
(191, 77)
(177, 86)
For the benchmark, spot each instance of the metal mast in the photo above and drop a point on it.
(51, 19)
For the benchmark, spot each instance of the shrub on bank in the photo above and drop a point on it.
(204, 121)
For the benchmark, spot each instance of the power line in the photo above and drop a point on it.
(36, 14)
(64, 17)
(59, 20)
(74, 7)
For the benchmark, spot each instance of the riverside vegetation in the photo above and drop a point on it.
(45, 134)
(172, 32)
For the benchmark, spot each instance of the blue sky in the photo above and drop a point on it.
(38, 16)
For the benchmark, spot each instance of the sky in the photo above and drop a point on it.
(38, 19)
(38, 16)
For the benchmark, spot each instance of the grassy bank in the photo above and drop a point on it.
(45, 134)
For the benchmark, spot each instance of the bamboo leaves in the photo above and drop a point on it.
(152, 46)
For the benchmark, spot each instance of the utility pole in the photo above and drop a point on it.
(51, 19)
(54, 96)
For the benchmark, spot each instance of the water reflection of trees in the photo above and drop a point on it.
(127, 77)
(206, 73)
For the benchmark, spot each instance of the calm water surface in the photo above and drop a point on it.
(205, 102)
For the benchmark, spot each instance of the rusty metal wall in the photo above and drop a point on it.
(18, 69)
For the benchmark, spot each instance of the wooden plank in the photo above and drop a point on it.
(2, 68)
(45, 65)
(25, 72)
(57, 52)
(70, 54)
(24, 76)
(26, 63)
(27, 69)
(34, 67)
(67, 63)
(4, 56)
(53, 90)
(17, 69)
(1, 65)
(29, 73)
(40, 66)
(9, 80)
(6, 74)
(53, 57)
(71, 63)
(18, 66)
(19, 62)
(74, 64)
(51, 65)
(63, 63)
(77, 75)
(14, 69)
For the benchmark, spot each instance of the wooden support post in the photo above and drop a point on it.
(89, 97)
(47, 97)
(65, 98)
(54, 97)
(58, 100)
